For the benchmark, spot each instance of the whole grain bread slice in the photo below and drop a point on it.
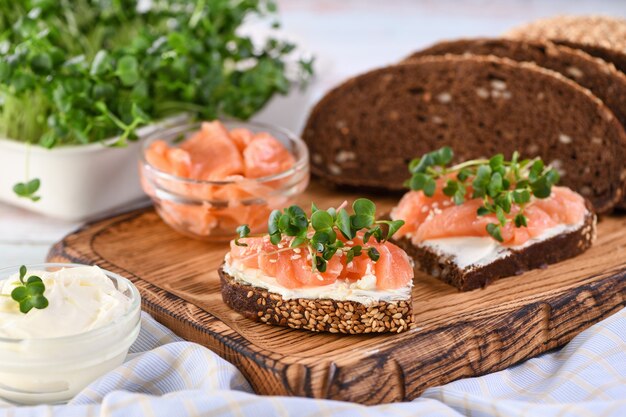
(316, 315)
(600, 36)
(364, 132)
(595, 74)
(536, 255)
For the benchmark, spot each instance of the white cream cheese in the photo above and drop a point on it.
(362, 291)
(468, 252)
(49, 355)
(80, 299)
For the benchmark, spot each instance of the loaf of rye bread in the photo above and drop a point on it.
(364, 132)
(536, 255)
(600, 36)
(595, 74)
(320, 315)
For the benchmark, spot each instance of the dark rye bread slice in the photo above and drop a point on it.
(595, 74)
(600, 36)
(364, 132)
(322, 315)
(537, 255)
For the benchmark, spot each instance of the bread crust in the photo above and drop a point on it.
(598, 75)
(601, 36)
(320, 315)
(538, 255)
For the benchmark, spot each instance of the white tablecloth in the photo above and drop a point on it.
(165, 376)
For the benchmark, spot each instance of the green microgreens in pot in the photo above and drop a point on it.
(319, 233)
(501, 184)
(83, 71)
(30, 292)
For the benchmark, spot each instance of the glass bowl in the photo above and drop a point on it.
(212, 210)
(53, 370)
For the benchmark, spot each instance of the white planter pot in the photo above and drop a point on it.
(77, 182)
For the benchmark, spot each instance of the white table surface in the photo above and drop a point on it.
(349, 37)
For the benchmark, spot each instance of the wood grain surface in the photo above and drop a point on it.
(458, 335)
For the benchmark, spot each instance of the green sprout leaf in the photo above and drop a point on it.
(430, 187)
(243, 231)
(364, 213)
(30, 293)
(322, 221)
(28, 189)
(521, 196)
(494, 230)
(500, 215)
(344, 224)
(373, 254)
(128, 70)
(375, 231)
(520, 220)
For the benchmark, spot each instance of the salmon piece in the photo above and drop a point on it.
(415, 205)
(199, 220)
(434, 218)
(268, 263)
(254, 216)
(360, 265)
(285, 275)
(250, 255)
(214, 156)
(266, 156)
(241, 137)
(173, 161)
(180, 161)
(156, 155)
(308, 278)
(564, 205)
(393, 268)
(358, 268)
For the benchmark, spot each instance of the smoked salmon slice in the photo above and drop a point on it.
(438, 217)
(292, 266)
(214, 155)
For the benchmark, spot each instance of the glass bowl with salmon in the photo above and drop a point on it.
(207, 178)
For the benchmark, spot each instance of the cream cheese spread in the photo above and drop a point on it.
(468, 252)
(80, 299)
(362, 291)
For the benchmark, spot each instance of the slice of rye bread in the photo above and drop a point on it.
(600, 36)
(364, 132)
(599, 76)
(536, 255)
(320, 315)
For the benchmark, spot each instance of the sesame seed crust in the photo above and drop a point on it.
(316, 315)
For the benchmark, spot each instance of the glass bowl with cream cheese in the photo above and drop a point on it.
(48, 355)
(205, 179)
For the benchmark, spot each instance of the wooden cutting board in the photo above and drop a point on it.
(458, 335)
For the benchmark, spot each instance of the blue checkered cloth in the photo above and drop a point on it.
(166, 376)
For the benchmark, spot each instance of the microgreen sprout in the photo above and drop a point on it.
(501, 184)
(28, 189)
(30, 293)
(319, 232)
